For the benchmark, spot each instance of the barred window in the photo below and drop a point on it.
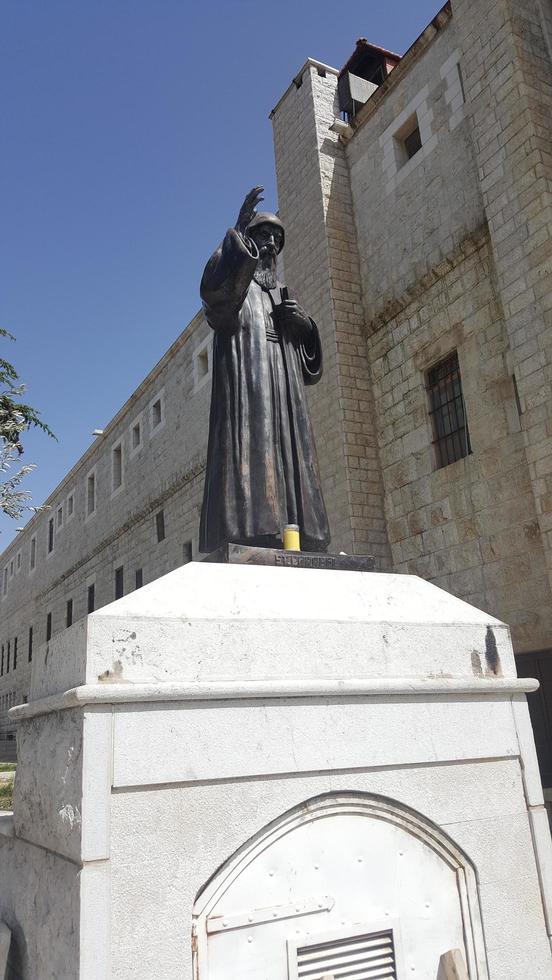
(450, 428)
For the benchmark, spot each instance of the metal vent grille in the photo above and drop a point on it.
(370, 956)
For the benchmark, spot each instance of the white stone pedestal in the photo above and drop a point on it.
(249, 770)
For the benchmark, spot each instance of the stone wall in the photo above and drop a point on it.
(164, 473)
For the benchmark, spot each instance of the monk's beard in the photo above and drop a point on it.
(265, 273)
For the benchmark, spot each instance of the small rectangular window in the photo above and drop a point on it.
(48, 627)
(451, 437)
(8, 659)
(30, 646)
(50, 535)
(407, 140)
(186, 552)
(18, 560)
(90, 494)
(156, 413)
(136, 435)
(15, 653)
(32, 554)
(413, 142)
(139, 578)
(160, 525)
(2, 663)
(59, 517)
(69, 613)
(119, 582)
(12, 566)
(70, 505)
(91, 598)
(117, 467)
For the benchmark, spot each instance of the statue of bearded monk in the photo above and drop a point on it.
(262, 470)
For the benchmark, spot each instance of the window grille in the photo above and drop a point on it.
(451, 437)
(369, 956)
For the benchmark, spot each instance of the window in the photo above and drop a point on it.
(160, 525)
(202, 364)
(119, 582)
(8, 659)
(156, 413)
(50, 535)
(69, 613)
(139, 578)
(117, 467)
(30, 645)
(135, 436)
(18, 561)
(32, 554)
(70, 505)
(59, 517)
(6, 580)
(15, 653)
(186, 552)
(408, 140)
(451, 438)
(413, 142)
(48, 627)
(12, 566)
(90, 494)
(2, 663)
(91, 598)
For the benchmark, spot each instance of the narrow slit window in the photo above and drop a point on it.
(90, 494)
(119, 582)
(139, 578)
(160, 525)
(30, 645)
(15, 653)
(91, 598)
(186, 552)
(50, 535)
(32, 556)
(2, 663)
(156, 413)
(117, 467)
(49, 626)
(451, 437)
(70, 505)
(60, 517)
(69, 613)
(8, 659)
(136, 435)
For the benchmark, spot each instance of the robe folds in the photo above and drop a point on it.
(262, 470)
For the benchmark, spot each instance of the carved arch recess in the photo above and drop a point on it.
(373, 807)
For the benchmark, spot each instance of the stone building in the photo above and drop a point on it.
(417, 198)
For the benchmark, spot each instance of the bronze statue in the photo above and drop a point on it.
(262, 470)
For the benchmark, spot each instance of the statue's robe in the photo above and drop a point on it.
(262, 470)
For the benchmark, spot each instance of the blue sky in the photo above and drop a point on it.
(131, 130)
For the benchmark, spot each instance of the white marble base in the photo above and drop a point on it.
(197, 717)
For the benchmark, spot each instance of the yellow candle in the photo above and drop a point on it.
(292, 541)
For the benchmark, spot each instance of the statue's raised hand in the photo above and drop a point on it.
(247, 210)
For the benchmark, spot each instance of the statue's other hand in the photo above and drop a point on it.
(247, 210)
(293, 317)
